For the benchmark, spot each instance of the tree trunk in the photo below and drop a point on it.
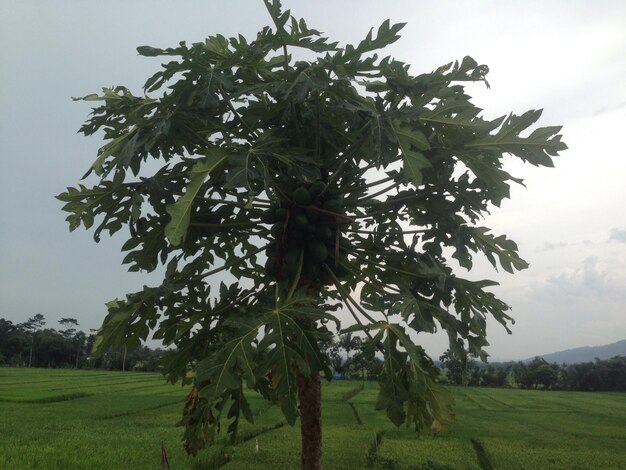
(310, 395)
(30, 356)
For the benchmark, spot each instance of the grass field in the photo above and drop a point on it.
(64, 419)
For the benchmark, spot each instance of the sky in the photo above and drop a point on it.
(567, 57)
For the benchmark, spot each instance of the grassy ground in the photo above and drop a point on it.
(63, 419)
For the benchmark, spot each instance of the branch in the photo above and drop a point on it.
(342, 165)
(372, 196)
(365, 186)
(393, 232)
(231, 264)
(236, 113)
(382, 266)
(222, 225)
(259, 205)
(348, 297)
(296, 278)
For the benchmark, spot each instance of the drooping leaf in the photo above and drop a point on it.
(127, 322)
(180, 211)
(408, 391)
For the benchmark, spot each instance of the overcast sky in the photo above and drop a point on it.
(568, 57)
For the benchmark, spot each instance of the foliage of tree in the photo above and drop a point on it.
(456, 367)
(495, 376)
(277, 188)
(69, 326)
(33, 324)
(600, 375)
(349, 342)
(30, 344)
(69, 347)
(338, 351)
(536, 373)
(13, 342)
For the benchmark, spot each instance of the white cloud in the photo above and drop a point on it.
(618, 235)
(549, 246)
(594, 277)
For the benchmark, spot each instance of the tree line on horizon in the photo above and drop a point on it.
(598, 375)
(30, 344)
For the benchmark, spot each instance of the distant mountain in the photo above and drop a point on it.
(587, 353)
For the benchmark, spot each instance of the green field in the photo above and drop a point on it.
(64, 419)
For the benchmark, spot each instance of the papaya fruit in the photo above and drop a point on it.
(312, 213)
(292, 257)
(333, 205)
(316, 189)
(277, 230)
(311, 271)
(301, 221)
(317, 251)
(296, 235)
(290, 270)
(301, 196)
(323, 232)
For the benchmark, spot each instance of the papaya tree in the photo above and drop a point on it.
(282, 190)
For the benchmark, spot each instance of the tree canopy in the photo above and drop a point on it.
(279, 187)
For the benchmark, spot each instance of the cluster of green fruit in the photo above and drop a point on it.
(307, 236)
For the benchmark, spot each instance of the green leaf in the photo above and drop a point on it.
(473, 303)
(127, 321)
(385, 35)
(180, 211)
(241, 170)
(488, 172)
(458, 113)
(233, 363)
(85, 204)
(393, 392)
(417, 313)
(408, 376)
(290, 346)
(537, 148)
(411, 143)
(149, 51)
(503, 248)
(117, 146)
(148, 246)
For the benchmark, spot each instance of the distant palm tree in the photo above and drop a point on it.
(32, 325)
(348, 343)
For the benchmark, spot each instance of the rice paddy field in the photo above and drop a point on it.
(67, 419)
